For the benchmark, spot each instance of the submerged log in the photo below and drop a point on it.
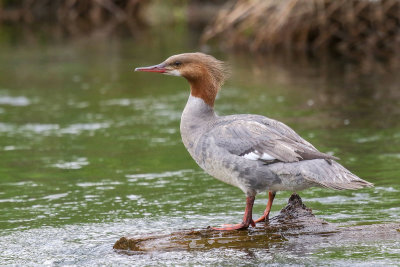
(295, 223)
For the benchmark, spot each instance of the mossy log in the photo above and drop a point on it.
(294, 223)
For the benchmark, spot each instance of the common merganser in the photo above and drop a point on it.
(251, 152)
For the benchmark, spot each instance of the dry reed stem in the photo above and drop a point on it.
(351, 28)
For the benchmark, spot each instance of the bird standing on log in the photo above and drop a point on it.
(251, 152)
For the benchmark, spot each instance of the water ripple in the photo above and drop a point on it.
(72, 165)
(51, 129)
(150, 176)
(56, 196)
(80, 127)
(17, 101)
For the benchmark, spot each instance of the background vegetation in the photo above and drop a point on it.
(357, 30)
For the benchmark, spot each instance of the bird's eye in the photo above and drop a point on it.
(177, 63)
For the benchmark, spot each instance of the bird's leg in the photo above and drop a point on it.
(247, 218)
(271, 196)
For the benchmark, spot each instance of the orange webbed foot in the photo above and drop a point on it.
(231, 227)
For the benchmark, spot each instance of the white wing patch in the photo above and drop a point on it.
(256, 155)
(251, 156)
(266, 156)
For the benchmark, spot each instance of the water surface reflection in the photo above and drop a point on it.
(91, 152)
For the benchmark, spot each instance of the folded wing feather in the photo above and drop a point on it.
(265, 140)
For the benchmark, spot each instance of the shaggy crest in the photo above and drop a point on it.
(217, 69)
(205, 73)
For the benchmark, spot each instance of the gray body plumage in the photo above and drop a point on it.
(256, 153)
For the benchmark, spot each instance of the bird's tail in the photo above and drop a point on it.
(331, 175)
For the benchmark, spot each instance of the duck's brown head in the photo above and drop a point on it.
(204, 73)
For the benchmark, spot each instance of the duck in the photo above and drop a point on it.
(252, 152)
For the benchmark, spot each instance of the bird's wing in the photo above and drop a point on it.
(265, 140)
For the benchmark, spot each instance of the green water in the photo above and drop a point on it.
(90, 151)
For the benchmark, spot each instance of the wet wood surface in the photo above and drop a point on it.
(295, 225)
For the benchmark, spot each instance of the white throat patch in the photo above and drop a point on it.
(173, 73)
